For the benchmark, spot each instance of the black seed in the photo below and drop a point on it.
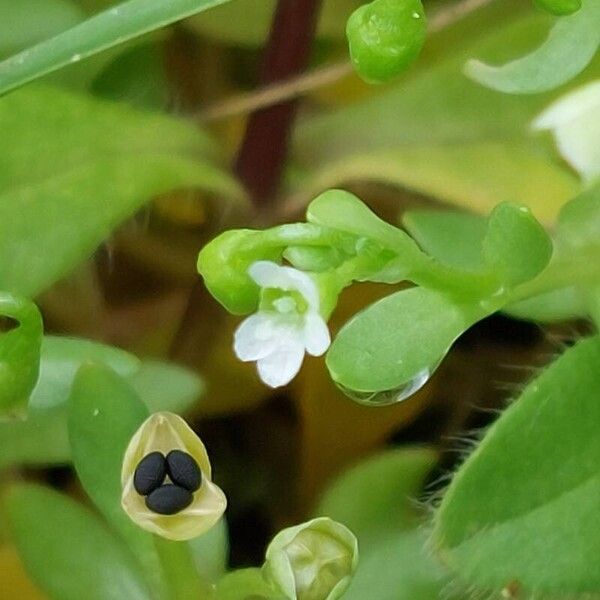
(169, 499)
(184, 470)
(150, 473)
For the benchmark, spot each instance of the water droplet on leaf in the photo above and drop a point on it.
(389, 397)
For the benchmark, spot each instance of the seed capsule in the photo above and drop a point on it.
(184, 470)
(169, 499)
(150, 473)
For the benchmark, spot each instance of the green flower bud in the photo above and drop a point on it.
(165, 436)
(385, 37)
(224, 266)
(312, 561)
(19, 352)
(559, 7)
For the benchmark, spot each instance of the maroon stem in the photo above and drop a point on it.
(264, 149)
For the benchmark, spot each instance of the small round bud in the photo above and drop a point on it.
(150, 473)
(385, 37)
(184, 470)
(560, 8)
(312, 561)
(169, 499)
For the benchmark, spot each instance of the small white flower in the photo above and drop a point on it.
(575, 121)
(287, 324)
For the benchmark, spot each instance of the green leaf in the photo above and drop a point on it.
(396, 343)
(377, 501)
(61, 358)
(338, 209)
(438, 133)
(515, 245)
(26, 22)
(579, 220)
(452, 238)
(166, 386)
(67, 551)
(20, 343)
(378, 494)
(43, 438)
(570, 47)
(562, 304)
(96, 164)
(104, 413)
(523, 507)
(114, 26)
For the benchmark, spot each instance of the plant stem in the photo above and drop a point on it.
(264, 147)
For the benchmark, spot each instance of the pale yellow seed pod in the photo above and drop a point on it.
(312, 561)
(163, 432)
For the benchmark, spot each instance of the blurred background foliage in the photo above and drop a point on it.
(130, 155)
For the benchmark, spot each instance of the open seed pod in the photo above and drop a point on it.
(163, 433)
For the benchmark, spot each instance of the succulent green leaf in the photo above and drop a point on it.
(570, 47)
(338, 209)
(562, 304)
(515, 245)
(104, 412)
(96, 164)
(399, 340)
(385, 37)
(116, 25)
(43, 438)
(523, 507)
(21, 331)
(452, 238)
(67, 551)
(61, 358)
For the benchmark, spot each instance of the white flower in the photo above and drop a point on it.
(287, 324)
(575, 121)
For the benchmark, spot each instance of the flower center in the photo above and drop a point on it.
(283, 302)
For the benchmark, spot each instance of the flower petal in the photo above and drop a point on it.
(256, 337)
(268, 274)
(316, 334)
(280, 367)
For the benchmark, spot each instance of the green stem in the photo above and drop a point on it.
(182, 576)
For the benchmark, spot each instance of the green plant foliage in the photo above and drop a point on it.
(61, 358)
(399, 339)
(440, 134)
(453, 238)
(224, 25)
(116, 25)
(560, 7)
(67, 551)
(19, 352)
(96, 164)
(385, 37)
(522, 507)
(43, 439)
(570, 47)
(515, 245)
(27, 22)
(377, 501)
